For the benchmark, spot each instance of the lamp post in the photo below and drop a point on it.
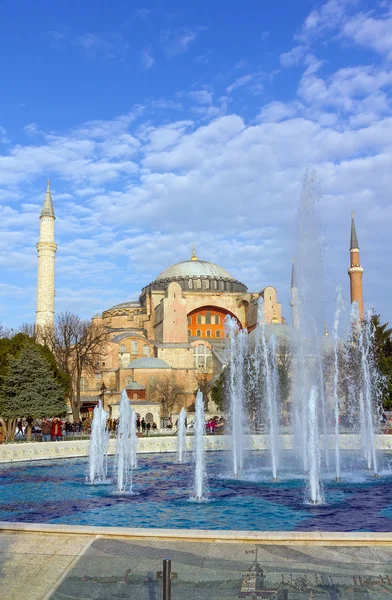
(103, 390)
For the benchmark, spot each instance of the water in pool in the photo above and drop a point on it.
(57, 492)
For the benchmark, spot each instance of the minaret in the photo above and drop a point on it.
(355, 271)
(46, 249)
(294, 302)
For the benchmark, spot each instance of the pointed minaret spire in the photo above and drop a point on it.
(355, 271)
(46, 249)
(294, 302)
(47, 207)
(293, 276)
(354, 240)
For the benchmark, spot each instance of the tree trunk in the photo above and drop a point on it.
(28, 432)
(76, 401)
(9, 429)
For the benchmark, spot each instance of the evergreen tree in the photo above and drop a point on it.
(382, 350)
(29, 389)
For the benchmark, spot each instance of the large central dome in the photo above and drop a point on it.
(196, 275)
(194, 268)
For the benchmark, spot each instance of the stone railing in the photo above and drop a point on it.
(74, 448)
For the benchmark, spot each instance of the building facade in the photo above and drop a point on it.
(175, 329)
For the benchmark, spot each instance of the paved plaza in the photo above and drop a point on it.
(58, 566)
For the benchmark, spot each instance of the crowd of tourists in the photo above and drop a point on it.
(56, 429)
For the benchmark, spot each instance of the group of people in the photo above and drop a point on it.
(145, 426)
(215, 425)
(52, 430)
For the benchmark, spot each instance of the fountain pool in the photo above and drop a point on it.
(56, 492)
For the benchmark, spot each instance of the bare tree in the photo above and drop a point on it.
(78, 345)
(205, 382)
(166, 390)
(5, 332)
(28, 329)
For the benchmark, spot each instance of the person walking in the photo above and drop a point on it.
(20, 427)
(46, 429)
(143, 424)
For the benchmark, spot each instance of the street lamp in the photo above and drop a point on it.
(103, 390)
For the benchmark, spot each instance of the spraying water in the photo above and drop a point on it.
(364, 336)
(181, 436)
(126, 445)
(238, 347)
(309, 388)
(314, 449)
(99, 444)
(265, 354)
(339, 306)
(200, 486)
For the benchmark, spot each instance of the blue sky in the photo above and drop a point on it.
(163, 124)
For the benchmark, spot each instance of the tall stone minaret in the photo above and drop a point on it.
(355, 271)
(294, 302)
(46, 249)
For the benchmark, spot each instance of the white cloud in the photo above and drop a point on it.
(31, 129)
(201, 96)
(293, 57)
(93, 45)
(371, 32)
(143, 13)
(240, 82)
(3, 136)
(148, 60)
(177, 41)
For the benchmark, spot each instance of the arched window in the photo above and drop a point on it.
(83, 384)
(207, 284)
(189, 320)
(208, 317)
(128, 380)
(189, 332)
(198, 284)
(149, 418)
(123, 348)
(217, 319)
(135, 396)
(217, 333)
(198, 319)
(202, 357)
(208, 332)
(146, 350)
(134, 347)
(198, 333)
(190, 284)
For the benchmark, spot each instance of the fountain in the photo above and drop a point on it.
(237, 349)
(308, 368)
(363, 334)
(200, 486)
(99, 445)
(126, 445)
(265, 355)
(181, 436)
(339, 306)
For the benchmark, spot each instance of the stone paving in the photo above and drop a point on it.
(58, 566)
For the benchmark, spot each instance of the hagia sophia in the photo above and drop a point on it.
(175, 328)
